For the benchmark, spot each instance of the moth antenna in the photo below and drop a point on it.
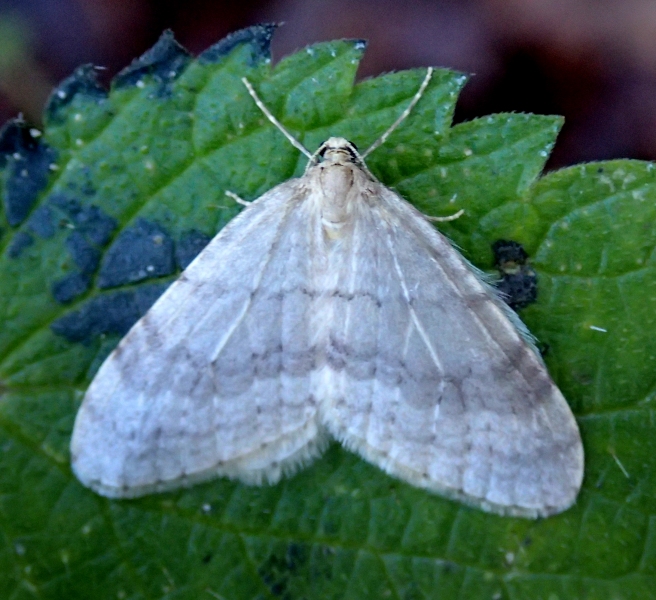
(403, 116)
(267, 113)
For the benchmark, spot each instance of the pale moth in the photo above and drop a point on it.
(331, 308)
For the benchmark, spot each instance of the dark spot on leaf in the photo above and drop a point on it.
(297, 556)
(111, 313)
(207, 558)
(280, 568)
(41, 222)
(189, 247)
(519, 281)
(70, 287)
(87, 187)
(258, 36)
(83, 82)
(28, 165)
(140, 252)
(95, 224)
(164, 62)
(21, 241)
(15, 137)
(413, 592)
(90, 220)
(508, 251)
(91, 230)
(85, 256)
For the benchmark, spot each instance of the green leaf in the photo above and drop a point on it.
(105, 209)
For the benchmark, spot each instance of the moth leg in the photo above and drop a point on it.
(444, 219)
(238, 199)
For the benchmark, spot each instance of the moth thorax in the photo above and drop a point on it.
(338, 195)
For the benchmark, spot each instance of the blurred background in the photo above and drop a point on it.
(593, 61)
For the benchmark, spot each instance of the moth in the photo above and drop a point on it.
(330, 308)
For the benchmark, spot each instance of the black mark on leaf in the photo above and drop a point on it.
(519, 281)
(189, 247)
(111, 313)
(28, 164)
(258, 36)
(164, 62)
(140, 252)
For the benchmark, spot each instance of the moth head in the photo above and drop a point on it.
(339, 150)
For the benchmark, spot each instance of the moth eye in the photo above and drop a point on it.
(353, 151)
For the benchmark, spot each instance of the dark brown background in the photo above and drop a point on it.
(593, 61)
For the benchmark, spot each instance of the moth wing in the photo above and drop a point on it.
(432, 378)
(200, 386)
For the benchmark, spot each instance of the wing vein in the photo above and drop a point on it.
(256, 284)
(429, 239)
(406, 294)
